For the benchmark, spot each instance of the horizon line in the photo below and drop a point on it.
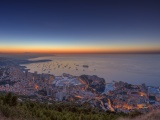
(144, 52)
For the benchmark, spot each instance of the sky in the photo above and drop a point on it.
(80, 26)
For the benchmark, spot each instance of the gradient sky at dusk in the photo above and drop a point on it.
(79, 26)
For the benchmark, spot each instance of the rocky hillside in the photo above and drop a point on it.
(94, 82)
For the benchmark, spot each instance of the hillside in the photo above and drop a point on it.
(155, 115)
(11, 108)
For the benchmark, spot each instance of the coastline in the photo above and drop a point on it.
(35, 61)
(90, 88)
(132, 69)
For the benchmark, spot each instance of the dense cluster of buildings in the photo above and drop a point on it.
(91, 90)
(126, 97)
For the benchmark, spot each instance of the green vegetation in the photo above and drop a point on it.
(154, 115)
(27, 110)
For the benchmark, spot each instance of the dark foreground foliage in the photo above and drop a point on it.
(12, 109)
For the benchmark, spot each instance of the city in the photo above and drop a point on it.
(116, 96)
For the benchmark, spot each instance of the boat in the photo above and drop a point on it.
(86, 66)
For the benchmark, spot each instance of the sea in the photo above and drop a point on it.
(131, 68)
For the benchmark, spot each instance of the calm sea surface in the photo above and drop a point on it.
(135, 68)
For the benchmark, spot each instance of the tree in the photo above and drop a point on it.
(14, 101)
(8, 98)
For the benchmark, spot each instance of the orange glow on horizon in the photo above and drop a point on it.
(79, 49)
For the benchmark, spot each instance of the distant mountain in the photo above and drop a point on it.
(25, 55)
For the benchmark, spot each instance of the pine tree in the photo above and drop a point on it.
(14, 101)
(8, 98)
